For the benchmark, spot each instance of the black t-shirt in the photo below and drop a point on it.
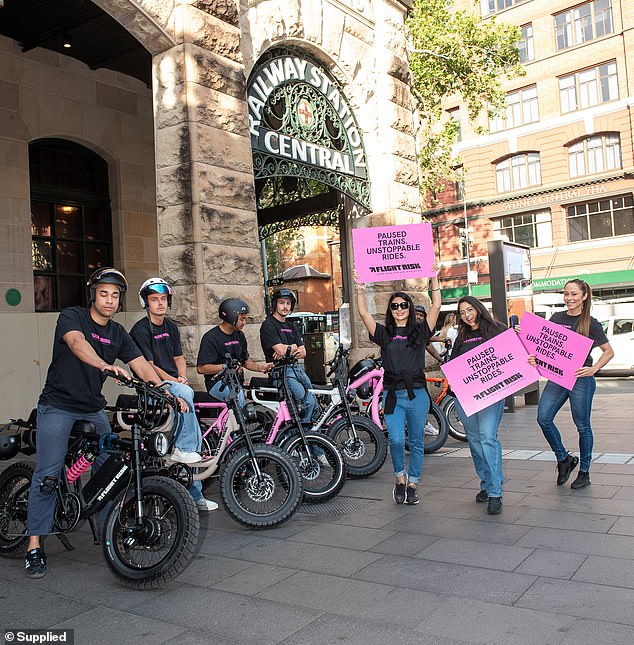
(71, 384)
(596, 331)
(159, 343)
(213, 347)
(273, 332)
(472, 338)
(399, 357)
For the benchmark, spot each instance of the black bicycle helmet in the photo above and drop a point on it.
(284, 293)
(358, 370)
(107, 275)
(9, 445)
(231, 308)
(419, 309)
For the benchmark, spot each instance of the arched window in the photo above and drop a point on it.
(595, 154)
(517, 172)
(71, 225)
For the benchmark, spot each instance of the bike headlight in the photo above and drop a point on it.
(158, 444)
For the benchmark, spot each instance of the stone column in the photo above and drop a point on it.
(208, 243)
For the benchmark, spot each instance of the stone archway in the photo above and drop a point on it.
(309, 159)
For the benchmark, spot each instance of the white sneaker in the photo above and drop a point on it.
(430, 430)
(203, 504)
(185, 457)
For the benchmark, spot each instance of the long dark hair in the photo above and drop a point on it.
(583, 326)
(413, 330)
(486, 324)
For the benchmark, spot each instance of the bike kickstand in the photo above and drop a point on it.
(64, 540)
(93, 529)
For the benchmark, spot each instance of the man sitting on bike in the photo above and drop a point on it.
(87, 342)
(226, 338)
(276, 336)
(159, 340)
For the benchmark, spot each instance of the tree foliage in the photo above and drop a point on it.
(455, 53)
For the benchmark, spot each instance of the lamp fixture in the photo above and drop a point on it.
(66, 41)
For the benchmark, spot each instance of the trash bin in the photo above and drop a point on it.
(320, 348)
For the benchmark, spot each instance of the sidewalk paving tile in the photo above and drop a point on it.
(488, 556)
(617, 546)
(580, 599)
(593, 522)
(486, 584)
(101, 626)
(598, 632)
(341, 535)
(495, 624)
(552, 564)
(616, 572)
(254, 579)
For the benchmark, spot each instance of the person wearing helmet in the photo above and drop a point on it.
(421, 317)
(159, 339)
(226, 338)
(276, 336)
(87, 342)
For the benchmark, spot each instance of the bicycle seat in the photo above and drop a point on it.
(259, 381)
(127, 401)
(204, 397)
(82, 428)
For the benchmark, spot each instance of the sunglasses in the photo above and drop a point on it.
(399, 305)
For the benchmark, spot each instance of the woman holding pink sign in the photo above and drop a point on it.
(578, 301)
(476, 326)
(402, 341)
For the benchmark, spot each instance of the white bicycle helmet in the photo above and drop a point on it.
(154, 285)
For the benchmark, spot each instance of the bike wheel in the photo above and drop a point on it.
(456, 429)
(260, 502)
(363, 446)
(436, 429)
(320, 464)
(15, 484)
(146, 557)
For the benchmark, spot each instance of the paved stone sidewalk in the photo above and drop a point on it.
(556, 567)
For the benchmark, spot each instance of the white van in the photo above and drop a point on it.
(620, 333)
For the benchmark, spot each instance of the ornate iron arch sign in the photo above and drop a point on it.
(301, 125)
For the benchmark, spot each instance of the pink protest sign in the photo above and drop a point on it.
(386, 253)
(559, 351)
(490, 372)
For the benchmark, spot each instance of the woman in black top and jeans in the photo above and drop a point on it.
(475, 326)
(405, 399)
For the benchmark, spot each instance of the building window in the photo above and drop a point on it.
(71, 232)
(454, 115)
(493, 6)
(583, 23)
(532, 229)
(589, 87)
(521, 108)
(604, 218)
(517, 172)
(525, 44)
(595, 154)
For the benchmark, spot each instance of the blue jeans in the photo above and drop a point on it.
(580, 397)
(486, 450)
(221, 392)
(53, 429)
(299, 385)
(187, 436)
(415, 413)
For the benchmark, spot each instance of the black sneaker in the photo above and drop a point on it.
(495, 505)
(482, 496)
(412, 497)
(583, 480)
(35, 563)
(399, 493)
(565, 467)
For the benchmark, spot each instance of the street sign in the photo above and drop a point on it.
(275, 282)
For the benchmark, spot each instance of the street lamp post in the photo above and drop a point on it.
(466, 232)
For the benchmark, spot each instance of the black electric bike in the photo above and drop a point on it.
(151, 523)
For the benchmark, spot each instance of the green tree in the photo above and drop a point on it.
(279, 247)
(455, 53)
